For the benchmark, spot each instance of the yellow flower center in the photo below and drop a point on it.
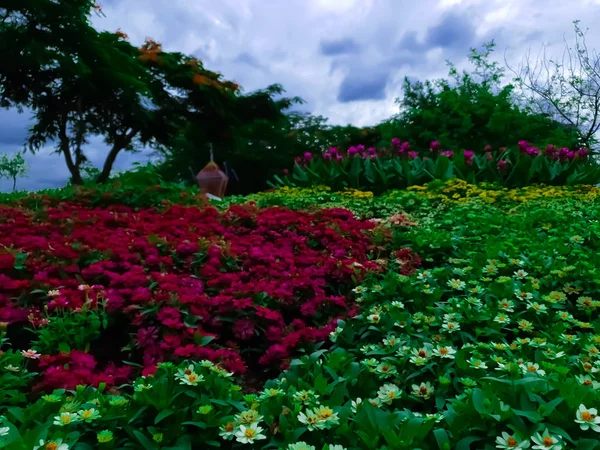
(249, 433)
(192, 377)
(325, 413)
(548, 441)
(512, 442)
(450, 326)
(51, 446)
(65, 419)
(531, 368)
(443, 351)
(229, 427)
(587, 416)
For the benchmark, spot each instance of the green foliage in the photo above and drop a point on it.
(470, 110)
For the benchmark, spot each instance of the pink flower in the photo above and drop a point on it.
(31, 354)
(434, 146)
(395, 142)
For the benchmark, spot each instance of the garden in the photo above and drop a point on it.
(448, 315)
(353, 290)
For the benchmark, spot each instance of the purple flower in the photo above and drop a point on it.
(489, 156)
(360, 148)
(532, 151)
(447, 153)
(413, 155)
(327, 156)
(502, 165)
(487, 148)
(571, 155)
(307, 156)
(523, 145)
(469, 155)
(395, 142)
(285, 171)
(372, 150)
(404, 147)
(583, 152)
(339, 158)
(434, 146)
(333, 150)
(352, 151)
(298, 160)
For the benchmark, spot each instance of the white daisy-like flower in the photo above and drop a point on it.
(227, 431)
(476, 363)
(520, 274)
(311, 420)
(65, 419)
(588, 418)
(456, 284)
(4, 431)
(188, 376)
(249, 434)
(388, 393)
(508, 441)
(532, 368)
(423, 390)
(545, 441)
(56, 444)
(355, 404)
(444, 351)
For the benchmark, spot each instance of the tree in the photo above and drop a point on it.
(80, 83)
(566, 88)
(470, 110)
(12, 167)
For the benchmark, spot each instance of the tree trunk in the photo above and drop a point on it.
(66, 151)
(120, 143)
(14, 184)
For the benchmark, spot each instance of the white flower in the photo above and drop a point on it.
(540, 309)
(336, 447)
(188, 376)
(249, 434)
(502, 319)
(11, 368)
(477, 363)
(54, 445)
(326, 414)
(508, 441)
(520, 274)
(588, 418)
(88, 415)
(444, 352)
(227, 431)
(374, 318)
(397, 304)
(355, 404)
(424, 390)
(456, 284)
(4, 431)
(532, 368)
(388, 393)
(65, 418)
(451, 326)
(311, 420)
(31, 354)
(545, 441)
(300, 446)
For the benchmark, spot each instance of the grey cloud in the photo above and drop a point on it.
(247, 58)
(13, 127)
(456, 31)
(364, 86)
(339, 47)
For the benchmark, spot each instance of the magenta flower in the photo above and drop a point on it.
(532, 151)
(285, 171)
(298, 160)
(523, 145)
(333, 150)
(583, 152)
(395, 142)
(413, 155)
(447, 153)
(307, 156)
(487, 148)
(489, 156)
(352, 151)
(327, 156)
(502, 165)
(434, 146)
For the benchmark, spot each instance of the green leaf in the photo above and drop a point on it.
(162, 415)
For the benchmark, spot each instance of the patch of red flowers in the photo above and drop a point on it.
(234, 287)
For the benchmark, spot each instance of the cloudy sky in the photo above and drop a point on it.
(346, 58)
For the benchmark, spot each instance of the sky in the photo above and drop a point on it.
(345, 58)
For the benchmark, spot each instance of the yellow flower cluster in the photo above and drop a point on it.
(461, 191)
(355, 194)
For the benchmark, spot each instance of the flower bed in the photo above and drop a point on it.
(472, 324)
(246, 287)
